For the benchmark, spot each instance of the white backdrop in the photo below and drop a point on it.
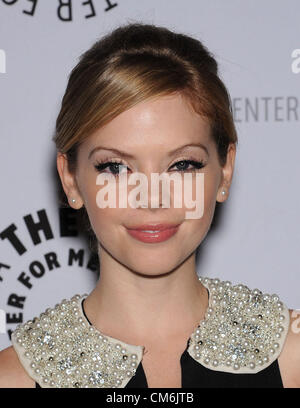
(255, 236)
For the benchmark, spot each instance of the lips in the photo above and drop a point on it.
(153, 233)
(152, 227)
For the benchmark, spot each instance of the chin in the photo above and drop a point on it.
(153, 272)
(153, 266)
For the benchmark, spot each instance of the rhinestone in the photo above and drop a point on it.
(257, 320)
(240, 328)
(84, 358)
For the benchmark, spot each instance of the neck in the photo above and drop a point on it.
(138, 309)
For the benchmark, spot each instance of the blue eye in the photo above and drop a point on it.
(184, 164)
(115, 167)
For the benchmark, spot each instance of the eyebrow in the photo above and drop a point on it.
(130, 156)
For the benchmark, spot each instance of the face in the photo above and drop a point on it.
(162, 135)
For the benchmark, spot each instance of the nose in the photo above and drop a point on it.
(154, 192)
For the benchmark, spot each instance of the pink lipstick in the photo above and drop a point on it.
(153, 233)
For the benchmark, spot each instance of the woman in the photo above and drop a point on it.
(147, 100)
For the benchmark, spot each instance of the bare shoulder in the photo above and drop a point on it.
(12, 373)
(289, 359)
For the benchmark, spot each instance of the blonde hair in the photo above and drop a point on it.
(133, 63)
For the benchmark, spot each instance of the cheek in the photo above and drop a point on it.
(201, 189)
(199, 227)
(210, 195)
(105, 221)
(102, 220)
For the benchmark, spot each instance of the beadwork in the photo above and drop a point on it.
(243, 332)
(61, 349)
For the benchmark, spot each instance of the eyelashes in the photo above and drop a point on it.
(116, 166)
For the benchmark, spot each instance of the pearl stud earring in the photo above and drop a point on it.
(223, 192)
(73, 200)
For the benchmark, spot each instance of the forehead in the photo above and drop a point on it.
(165, 121)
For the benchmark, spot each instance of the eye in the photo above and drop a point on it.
(113, 166)
(183, 165)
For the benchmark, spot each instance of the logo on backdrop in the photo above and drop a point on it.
(296, 61)
(266, 109)
(64, 9)
(38, 228)
(2, 62)
(269, 108)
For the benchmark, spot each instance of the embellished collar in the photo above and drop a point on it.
(243, 331)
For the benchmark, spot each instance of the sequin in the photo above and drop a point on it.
(71, 353)
(243, 332)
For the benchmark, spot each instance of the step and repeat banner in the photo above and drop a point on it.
(255, 235)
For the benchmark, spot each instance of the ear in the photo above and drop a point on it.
(68, 181)
(227, 173)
